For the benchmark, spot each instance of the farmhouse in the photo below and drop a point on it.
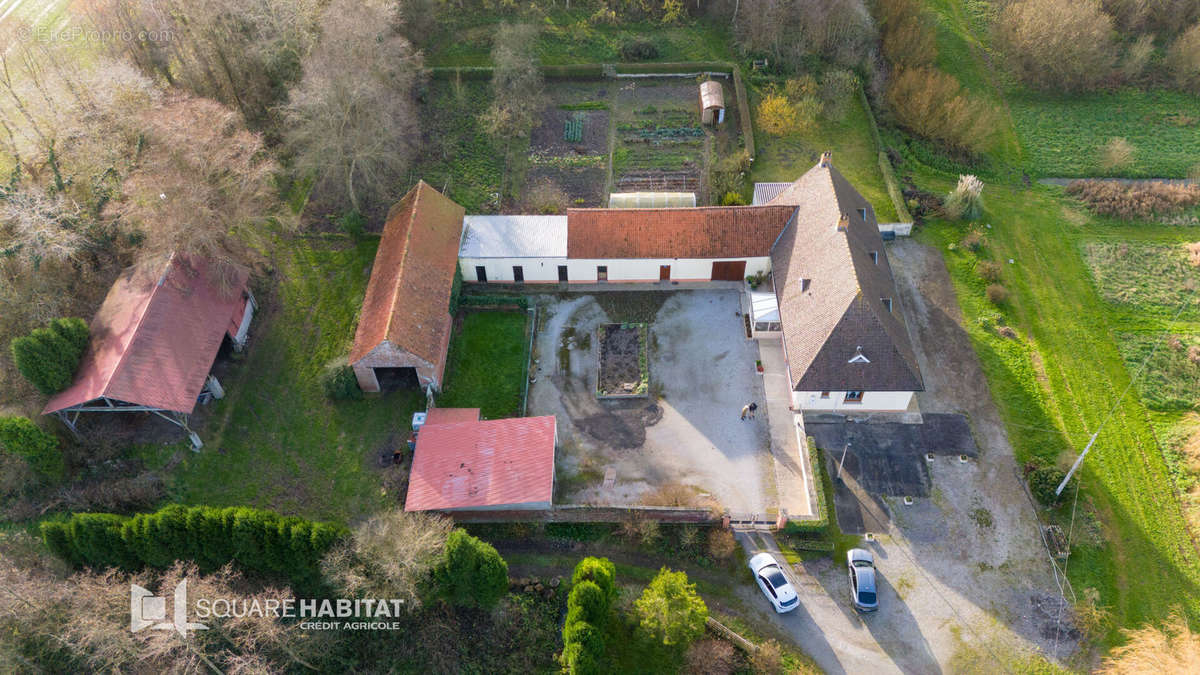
(154, 340)
(404, 327)
(832, 300)
(464, 463)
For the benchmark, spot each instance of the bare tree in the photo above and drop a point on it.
(352, 120)
(202, 185)
(390, 555)
(1057, 45)
(517, 87)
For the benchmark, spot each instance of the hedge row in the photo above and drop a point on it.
(739, 89)
(591, 71)
(675, 67)
(885, 164)
(593, 591)
(493, 301)
(818, 526)
(258, 541)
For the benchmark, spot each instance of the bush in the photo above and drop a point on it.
(1043, 481)
(768, 659)
(721, 544)
(20, 436)
(1183, 60)
(339, 382)
(975, 241)
(800, 87)
(599, 571)
(48, 357)
(965, 200)
(733, 199)
(471, 573)
(908, 32)
(997, 294)
(1117, 154)
(1135, 200)
(1056, 45)
(711, 657)
(728, 174)
(258, 541)
(352, 223)
(639, 50)
(587, 602)
(934, 105)
(778, 116)
(837, 93)
(493, 301)
(670, 612)
(593, 591)
(989, 271)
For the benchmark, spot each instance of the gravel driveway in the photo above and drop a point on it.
(962, 570)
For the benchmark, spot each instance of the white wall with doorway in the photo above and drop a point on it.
(501, 270)
(650, 269)
(852, 401)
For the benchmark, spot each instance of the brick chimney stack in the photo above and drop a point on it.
(826, 159)
(843, 222)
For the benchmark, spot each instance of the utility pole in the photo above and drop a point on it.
(843, 460)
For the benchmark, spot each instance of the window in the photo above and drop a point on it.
(601, 272)
(775, 326)
(762, 326)
(804, 284)
(854, 397)
(824, 394)
(862, 213)
(562, 272)
(887, 302)
(518, 274)
(481, 274)
(875, 257)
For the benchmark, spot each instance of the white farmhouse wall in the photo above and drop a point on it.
(873, 401)
(500, 270)
(545, 270)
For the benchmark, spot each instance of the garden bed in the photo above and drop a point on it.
(624, 370)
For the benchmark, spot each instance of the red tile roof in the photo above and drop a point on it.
(451, 415)
(704, 232)
(408, 297)
(490, 463)
(155, 337)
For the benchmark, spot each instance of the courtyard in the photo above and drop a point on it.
(681, 445)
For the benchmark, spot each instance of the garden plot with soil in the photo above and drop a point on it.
(680, 444)
(623, 360)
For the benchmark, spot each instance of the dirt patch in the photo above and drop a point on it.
(550, 137)
(623, 427)
(623, 360)
(584, 185)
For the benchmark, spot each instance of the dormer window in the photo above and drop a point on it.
(862, 213)
(887, 302)
(804, 285)
(859, 357)
(875, 257)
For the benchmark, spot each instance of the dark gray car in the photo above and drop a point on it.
(861, 565)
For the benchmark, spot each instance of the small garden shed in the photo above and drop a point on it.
(712, 103)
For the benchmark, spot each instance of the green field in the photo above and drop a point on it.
(275, 441)
(486, 366)
(1171, 380)
(1151, 278)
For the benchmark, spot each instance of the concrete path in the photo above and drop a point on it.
(788, 446)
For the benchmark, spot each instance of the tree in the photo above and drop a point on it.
(1055, 45)
(1173, 648)
(471, 572)
(788, 31)
(670, 612)
(599, 571)
(352, 120)
(778, 116)
(21, 437)
(203, 185)
(517, 87)
(48, 356)
(1163, 17)
(909, 33)
(1183, 59)
(934, 105)
(391, 555)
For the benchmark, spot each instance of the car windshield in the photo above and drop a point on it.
(866, 597)
(775, 577)
(788, 603)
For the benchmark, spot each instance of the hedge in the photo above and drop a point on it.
(743, 101)
(258, 541)
(493, 301)
(675, 67)
(818, 526)
(471, 572)
(20, 436)
(885, 164)
(48, 356)
(589, 604)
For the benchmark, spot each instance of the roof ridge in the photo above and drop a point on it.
(162, 280)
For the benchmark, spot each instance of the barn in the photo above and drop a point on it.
(403, 329)
(154, 340)
(463, 463)
(712, 103)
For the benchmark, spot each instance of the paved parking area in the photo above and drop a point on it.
(686, 438)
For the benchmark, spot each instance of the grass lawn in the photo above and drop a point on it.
(1172, 376)
(275, 440)
(486, 366)
(1055, 390)
(568, 37)
(1062, 137)
(1151, 278)
(461, 159)
(786, 158)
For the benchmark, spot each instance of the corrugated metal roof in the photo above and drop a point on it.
(711, 95)
(765, 192)
(514, 237)
(155, 337)
(481, 464)
(651, 200)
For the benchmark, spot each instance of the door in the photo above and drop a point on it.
(518, 274)
(729, 270)
(481, 274)
(562, 273)
(664, 272)
(601, 272)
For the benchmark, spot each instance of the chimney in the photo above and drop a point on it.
(843, 222)
(826, 159)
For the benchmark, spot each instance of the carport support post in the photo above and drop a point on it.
(842, 461)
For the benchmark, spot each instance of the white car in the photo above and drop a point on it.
(773, 583)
